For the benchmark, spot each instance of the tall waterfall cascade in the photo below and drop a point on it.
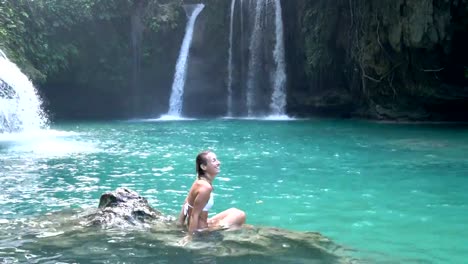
(20, 105)
(175, 101)
(278, 98)
(257, 77)
(229, 84)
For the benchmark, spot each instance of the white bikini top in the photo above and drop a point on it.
(207, 207)
(209, 204)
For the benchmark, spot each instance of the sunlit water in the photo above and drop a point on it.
(393, 193)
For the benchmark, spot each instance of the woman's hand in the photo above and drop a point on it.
(184, 241)
(179, 224)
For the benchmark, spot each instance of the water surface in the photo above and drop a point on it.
(394, 193)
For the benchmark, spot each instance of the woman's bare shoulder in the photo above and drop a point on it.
(199, 186)
(203, 186)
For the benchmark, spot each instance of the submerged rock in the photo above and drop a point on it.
(272, 244)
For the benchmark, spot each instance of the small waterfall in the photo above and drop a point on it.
(242, 46)
(20, 105)
(278, 98)
(260, 80)
(136, 32)
(230, 66)
(175, 101)
(254, 59)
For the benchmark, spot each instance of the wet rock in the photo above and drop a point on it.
(124, 221)
(397, 54)
(124, 207)
(298, 247)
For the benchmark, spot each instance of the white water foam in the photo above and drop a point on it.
(20, 105)
(172, 118)
(45, 143)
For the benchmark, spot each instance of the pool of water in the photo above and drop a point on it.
(393, 193)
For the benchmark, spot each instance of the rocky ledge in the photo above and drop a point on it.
(126, 209)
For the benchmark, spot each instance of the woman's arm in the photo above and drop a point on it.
(182, 216)
(201, 200)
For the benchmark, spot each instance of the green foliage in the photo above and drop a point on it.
(28, 31)
(13, 17)
(162, 16)
(45, 37)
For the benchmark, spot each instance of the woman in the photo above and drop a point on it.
(194, 213)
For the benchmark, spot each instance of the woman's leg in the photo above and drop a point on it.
(231, 218)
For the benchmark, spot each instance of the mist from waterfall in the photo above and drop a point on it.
(20, 105)
(175, 101)
(257, 73)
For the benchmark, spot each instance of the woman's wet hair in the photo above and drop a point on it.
(201, 160)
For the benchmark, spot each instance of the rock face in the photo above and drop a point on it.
(124, 207)
(392, 60)
(400, 60)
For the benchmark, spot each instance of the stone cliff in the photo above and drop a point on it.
(398, 60)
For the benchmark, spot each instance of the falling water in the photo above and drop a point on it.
(278, 98)
(262, 66)
(254, 58)
(230, 66)
(136, 31)
(20, 105)
(175, 102)
(242, 43)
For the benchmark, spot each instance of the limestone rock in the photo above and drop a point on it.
(123, 208)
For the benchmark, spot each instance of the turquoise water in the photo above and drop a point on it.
(394, 193)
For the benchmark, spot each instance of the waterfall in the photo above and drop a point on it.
(20, 105)
(230, 66)
(136, 32)
(254, 58)
(242, 46)
(261, 76)
(278, 98)
(175, 101)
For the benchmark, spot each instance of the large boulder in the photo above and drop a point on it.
(122, 208)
